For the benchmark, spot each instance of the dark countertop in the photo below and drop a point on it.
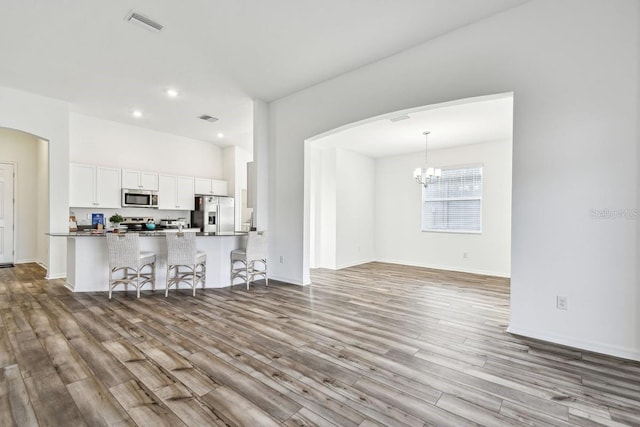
(158, 233)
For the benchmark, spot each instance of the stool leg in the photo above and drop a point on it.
(204, 275)
(110, 281)
(193, 279)
(247, 276)
(166, 288)
(153, 276)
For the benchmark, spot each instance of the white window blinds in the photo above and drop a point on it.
(454, 203)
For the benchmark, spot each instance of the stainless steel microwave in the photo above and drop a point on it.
(139, 198)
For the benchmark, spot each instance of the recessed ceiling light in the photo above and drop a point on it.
(220, 135)
(171, 93)
(137, 114)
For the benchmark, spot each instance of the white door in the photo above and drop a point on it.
(6, 213)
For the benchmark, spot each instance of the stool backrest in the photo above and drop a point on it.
(124, 250)
(257, 246)
(181, 248)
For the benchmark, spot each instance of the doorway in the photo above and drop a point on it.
(7, 209)
(363, 203)
(24, 198)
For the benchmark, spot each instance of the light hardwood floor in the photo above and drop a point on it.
(373, 345)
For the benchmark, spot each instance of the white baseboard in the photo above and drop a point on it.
(596, 347)
(41, 264)
(447, 268)
(288, 281)
(353, 264)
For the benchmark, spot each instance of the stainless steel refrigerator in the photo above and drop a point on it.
(214, 214)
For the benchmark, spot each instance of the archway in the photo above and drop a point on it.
(27, 155)
(362, 204)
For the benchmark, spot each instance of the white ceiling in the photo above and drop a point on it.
(451, 124)
(219, 54)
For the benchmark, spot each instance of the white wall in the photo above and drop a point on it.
(21, 148)
(314, 175)
(355, 208)
(234, 161)
(398, 213)
(42, 195)
(48, 119)
(229, 168)
(343, 208)
(326, 208)
(262, 157)
(241, 158)
(573, 68)
(107, 143)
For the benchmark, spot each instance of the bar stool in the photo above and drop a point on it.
(185, 264)
(125, 256)
(256, 252)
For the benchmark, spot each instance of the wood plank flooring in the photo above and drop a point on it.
(372, 345)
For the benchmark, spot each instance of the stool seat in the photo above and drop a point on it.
(127, 263)
(147, 257)
(238, 254)
(185, 264)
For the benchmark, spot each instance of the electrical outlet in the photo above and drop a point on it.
(281, 259)
(465, 255)
(562, 303)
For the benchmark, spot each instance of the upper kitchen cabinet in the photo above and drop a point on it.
(176, 193)
(94, 186)
(211, 187)
(139, 180)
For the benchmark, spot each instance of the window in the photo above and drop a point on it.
(454, 203)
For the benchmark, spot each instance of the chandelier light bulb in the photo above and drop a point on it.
(426, 175)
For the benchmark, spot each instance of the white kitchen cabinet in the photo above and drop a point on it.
(211, 187)
(94, 186)
(219, 188)
(140, 180)
(176, 192)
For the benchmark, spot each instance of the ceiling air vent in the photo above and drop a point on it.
(397, 119)
(208, 118)
(144, 22)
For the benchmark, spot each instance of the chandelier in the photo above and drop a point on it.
(426, 175)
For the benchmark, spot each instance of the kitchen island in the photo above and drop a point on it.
(88, 258)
